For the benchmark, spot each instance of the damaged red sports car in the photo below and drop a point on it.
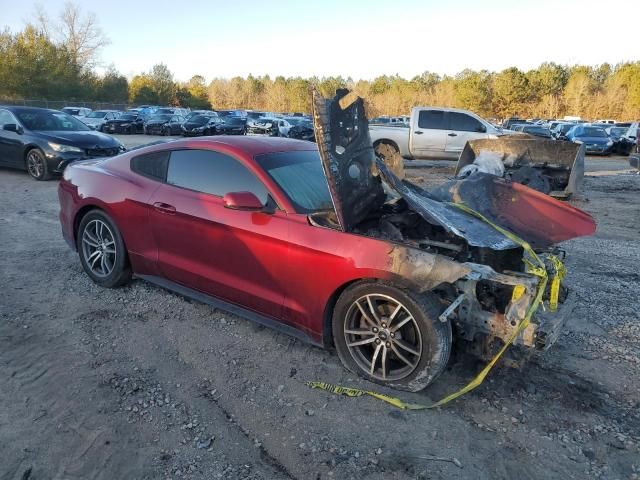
(321, 241)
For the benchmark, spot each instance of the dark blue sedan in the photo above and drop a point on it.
(595, 139)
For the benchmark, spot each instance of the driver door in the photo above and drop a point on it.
(239, 256)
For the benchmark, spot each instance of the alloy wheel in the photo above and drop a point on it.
(382, 337)
(99, 248)
(35, 164)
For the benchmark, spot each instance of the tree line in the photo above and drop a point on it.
(56, 58)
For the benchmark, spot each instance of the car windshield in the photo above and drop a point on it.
(43, 120)
(71, 111)
(234, 121)
(97, 115)
(254, 115)
(591, 132)
(618, 131)
(566, 128)
(538, 130)
(300, 176)
(160, 118)
(127, 116)
(199, 119)
(165, 110)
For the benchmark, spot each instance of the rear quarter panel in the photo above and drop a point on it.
(110, 186)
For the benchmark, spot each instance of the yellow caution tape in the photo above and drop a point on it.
(558, 276)
(534, 266)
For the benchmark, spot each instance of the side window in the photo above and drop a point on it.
(432, 120)
(6, 118)
(212, 172)
(464, 123)
(151, 165)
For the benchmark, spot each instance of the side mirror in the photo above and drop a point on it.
(481, 129)
(242, 201)
(12, 127)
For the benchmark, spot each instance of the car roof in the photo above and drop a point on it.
(21, 109)
(250, 145)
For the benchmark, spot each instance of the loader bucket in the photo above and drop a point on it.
(552, 167)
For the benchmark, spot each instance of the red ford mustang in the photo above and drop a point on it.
(249, 225)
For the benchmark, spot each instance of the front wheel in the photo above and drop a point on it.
(102, 251)
(37, 165)
(391, 336)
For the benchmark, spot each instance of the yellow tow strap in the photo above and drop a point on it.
(534, 266)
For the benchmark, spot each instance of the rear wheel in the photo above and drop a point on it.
(391, 336)
(37, 165)
(102, 251)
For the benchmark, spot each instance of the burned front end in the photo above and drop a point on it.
(483, 244)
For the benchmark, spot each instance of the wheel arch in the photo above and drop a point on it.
(388, 142)
(394, 281)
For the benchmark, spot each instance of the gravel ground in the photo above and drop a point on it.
(142, 383)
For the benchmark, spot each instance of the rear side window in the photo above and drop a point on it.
(464, 123)
(212, 172)
(432, 119)
(151, 165)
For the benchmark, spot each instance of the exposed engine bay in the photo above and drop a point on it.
(463, 240)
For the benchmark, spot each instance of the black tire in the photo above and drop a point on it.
(37, 165)
(423, 332)
(120, 273)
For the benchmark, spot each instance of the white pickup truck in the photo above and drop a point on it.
(433, 132)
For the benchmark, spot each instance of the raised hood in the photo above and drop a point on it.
(356, 178)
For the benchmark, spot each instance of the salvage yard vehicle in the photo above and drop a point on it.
(97, 119)
(43, 142)
(129, 122)
(164, 124)
(232, 125)
(201, 125)
(594, 139)
(303, 130)
(432, 133)
(537, 131)
(622, 145)
(77, 111)
(264, 126)
(308, 239)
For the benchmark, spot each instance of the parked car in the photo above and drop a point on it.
(433, 133)
(232, 125)
(594, 139)
(537, 131)
(164, 124)
(194, 113)
(622, 145)
(607, 121)
(43, 142)
(561, 129)
(303, 131)
(77, 111)
(129, 122)
(264, 126)
(201, 125)
(248, 224)
(97, 119)
(511, 121)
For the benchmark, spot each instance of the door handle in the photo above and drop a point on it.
(418, 133)
(164, 208)
(453, 134)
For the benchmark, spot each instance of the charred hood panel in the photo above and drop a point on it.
(355, 178)
(348, 159)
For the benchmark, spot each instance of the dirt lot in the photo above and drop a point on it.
(142, 383)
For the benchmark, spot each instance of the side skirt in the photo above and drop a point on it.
(230, 308)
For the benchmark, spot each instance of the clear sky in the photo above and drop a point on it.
(357, 38)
